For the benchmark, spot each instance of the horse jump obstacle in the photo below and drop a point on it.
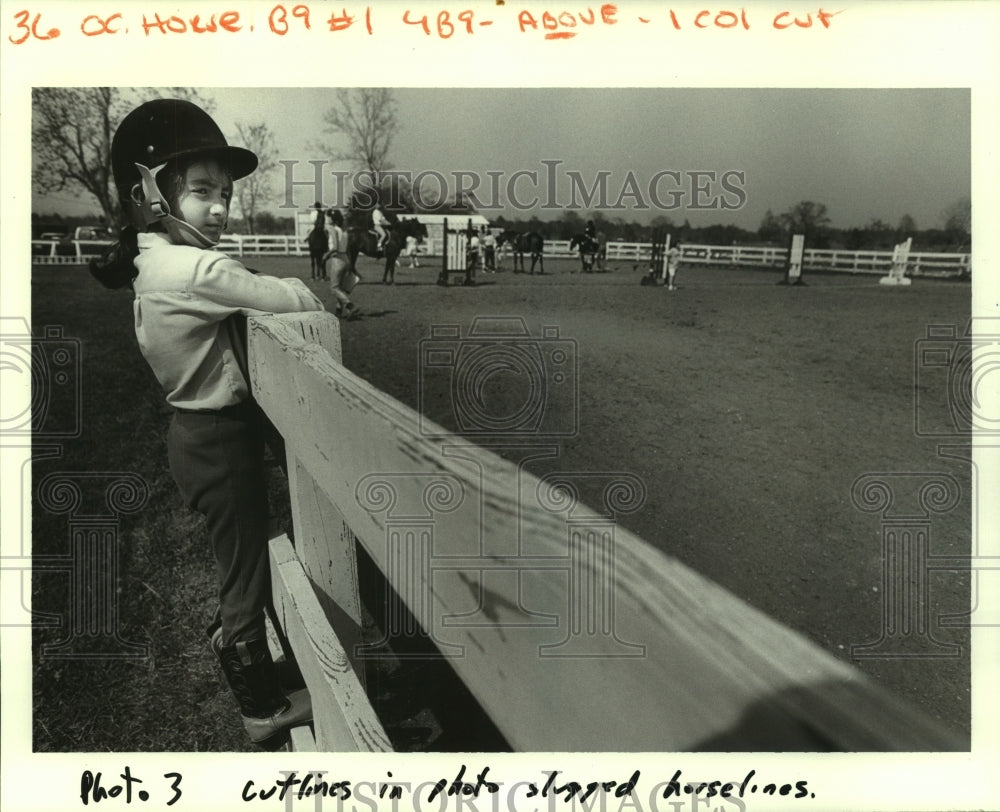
(793, 262)
(658, 251)
(455, 256)
(900, 258)
(497, 567)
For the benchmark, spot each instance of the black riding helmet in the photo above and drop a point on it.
(164, 129)
(150, 137)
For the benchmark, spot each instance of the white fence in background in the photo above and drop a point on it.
(75, 252)
(52, 252)
(866, 262)
(46, 252)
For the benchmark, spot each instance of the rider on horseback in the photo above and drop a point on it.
(379, 222)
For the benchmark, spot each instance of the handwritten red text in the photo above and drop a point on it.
(29, 30)
(93, 26)
(561, 25)
(785, 19)
(227, 21)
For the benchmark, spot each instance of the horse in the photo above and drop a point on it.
(588, 248)
(524, 243)
(317, 240)
(365, 241)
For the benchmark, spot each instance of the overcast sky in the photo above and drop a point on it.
(865, 154)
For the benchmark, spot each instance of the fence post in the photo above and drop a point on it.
(323, 541)
(470, 261)
(443, 277)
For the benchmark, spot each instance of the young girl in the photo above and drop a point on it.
(174, 174)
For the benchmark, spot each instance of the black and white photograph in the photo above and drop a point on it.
(424, 423)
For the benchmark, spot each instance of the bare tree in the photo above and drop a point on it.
(362, 126)
(958, 221)
(71, 132)
(805, 217)
(256, 187)
(366, 118)
(771, 228)
(71, 138)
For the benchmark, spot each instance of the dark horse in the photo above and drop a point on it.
(530, 243)
(362, 240)
(588, 248)
(317, 242)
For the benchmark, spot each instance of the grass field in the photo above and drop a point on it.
(749, 409)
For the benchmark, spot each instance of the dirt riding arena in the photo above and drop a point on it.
(747, 408)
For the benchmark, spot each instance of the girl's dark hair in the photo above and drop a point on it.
(115, 268)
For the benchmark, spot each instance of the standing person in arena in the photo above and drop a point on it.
(673, 260)
(412, 250)
(174, 174)
(472, 251)
(336, 261)
(602, 251)
(489, 251)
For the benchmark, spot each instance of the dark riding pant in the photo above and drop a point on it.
(217, 460)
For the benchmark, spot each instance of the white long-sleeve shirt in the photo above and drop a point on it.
(182, 297)
(336, 240)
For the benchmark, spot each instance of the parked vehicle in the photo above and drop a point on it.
(93, 233)
(101, 234)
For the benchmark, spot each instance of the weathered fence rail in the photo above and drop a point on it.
(572, 633)
(44, 252)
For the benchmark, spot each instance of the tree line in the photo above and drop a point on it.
(72, 130)
(807, 217)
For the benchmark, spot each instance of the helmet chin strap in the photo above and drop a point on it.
(155, 209)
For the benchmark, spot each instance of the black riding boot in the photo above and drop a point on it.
(266, 709)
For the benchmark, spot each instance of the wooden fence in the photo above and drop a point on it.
(572, 633)
(44, 252)
(52, 252)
